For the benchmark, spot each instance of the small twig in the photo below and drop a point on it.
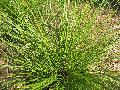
(116, 27)
(115, 19)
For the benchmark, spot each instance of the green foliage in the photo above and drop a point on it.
(114, 4)
(49, 45)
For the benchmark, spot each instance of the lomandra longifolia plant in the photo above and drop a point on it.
(50, 44)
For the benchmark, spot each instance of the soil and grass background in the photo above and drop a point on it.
(59, 45)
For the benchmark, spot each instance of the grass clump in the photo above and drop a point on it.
(50, 44)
